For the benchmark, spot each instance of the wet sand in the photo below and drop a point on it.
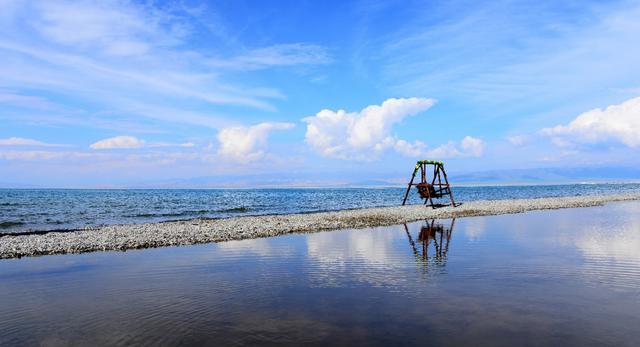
(136, 236)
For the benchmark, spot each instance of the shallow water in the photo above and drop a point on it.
(47, 209)
(562, 277)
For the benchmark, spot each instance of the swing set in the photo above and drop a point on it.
(435, 188)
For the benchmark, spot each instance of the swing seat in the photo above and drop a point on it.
(429, 232)
(426, 190)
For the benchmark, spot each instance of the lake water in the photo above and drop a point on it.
(562, 277)
(47, 209)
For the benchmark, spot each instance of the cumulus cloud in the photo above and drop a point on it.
(242, 143)
(517, 140)
(619, 123)
(468, 147)
(19, 141)
(344, 135)
(118, 142)
(408, 149)
(472, 146)
(363, 135)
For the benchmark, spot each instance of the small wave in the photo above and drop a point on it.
(56, 222)
(36, 232)
(170, 214)
(235, 210)
(9, 224)
(190, 213)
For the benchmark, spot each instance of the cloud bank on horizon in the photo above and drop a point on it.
(116, 91)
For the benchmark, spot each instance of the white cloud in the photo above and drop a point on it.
(363, 135)
(19, 141)
(620, 123)
(115, 28)
(242, 143)
(118, 142)
(27, 101)
(517, 140)
(557, 52)
(40, 156)
(409, 149)
(355, 135)
(169, 144)
(277, 55)
(468, 147)
(136, 59)
(134, 142)
(472, 146)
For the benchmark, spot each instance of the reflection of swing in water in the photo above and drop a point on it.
(437, 232)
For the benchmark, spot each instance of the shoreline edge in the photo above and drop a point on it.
(161, 234)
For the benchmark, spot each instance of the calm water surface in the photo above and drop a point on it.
(564, 277)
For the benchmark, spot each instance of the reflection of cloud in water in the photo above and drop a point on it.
(616, 237)
(263, 247)
(622, 246)
(475, 228)
(339, 255)
(379, 256)
(369, 246)
(612, 257)
(608, 238)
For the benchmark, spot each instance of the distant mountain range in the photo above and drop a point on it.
(320, 180)
(552, 175)
(493, 177)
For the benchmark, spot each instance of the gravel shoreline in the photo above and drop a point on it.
(123, 237)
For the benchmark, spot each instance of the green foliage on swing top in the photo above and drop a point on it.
(433, 162)
(428, 162)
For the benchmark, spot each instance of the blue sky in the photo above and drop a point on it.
(109, 93)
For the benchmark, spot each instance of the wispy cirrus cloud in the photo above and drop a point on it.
(121, 29)
(276, 56)
(20, 141)
(43, 155)
(12, 98)
(501, 58)
(116, 54)
(130, 142)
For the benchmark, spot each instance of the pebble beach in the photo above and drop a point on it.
(197, 231)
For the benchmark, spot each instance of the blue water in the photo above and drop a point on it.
(49, 209)
(544, 278)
